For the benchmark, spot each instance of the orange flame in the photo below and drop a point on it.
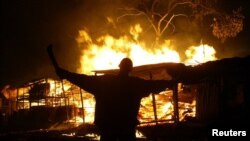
(200, 54)
(107, 52)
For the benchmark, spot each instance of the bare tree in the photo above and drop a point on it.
(160, 15)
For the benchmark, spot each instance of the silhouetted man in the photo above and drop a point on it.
(117, 98)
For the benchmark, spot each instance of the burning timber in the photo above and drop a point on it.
(212, 94)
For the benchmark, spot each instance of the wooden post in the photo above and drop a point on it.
(74, 106)
(154, 108)
(23, 99)
(17, 94)
(83, 116)
(154, 103)
(65, 100)
(175, 99)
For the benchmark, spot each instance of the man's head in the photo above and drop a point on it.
(126, 65)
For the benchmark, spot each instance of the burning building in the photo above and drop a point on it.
(79, 105)
(205, 92)
(215, 93)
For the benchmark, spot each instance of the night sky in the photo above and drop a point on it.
(29, 26)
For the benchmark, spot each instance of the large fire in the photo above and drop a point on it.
(105, 52)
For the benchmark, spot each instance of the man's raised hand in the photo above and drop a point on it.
(51, 56)
(58, 70)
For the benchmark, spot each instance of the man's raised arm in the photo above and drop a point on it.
(63, 74)
(84, 81)
(59, 71)
(52, 57)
